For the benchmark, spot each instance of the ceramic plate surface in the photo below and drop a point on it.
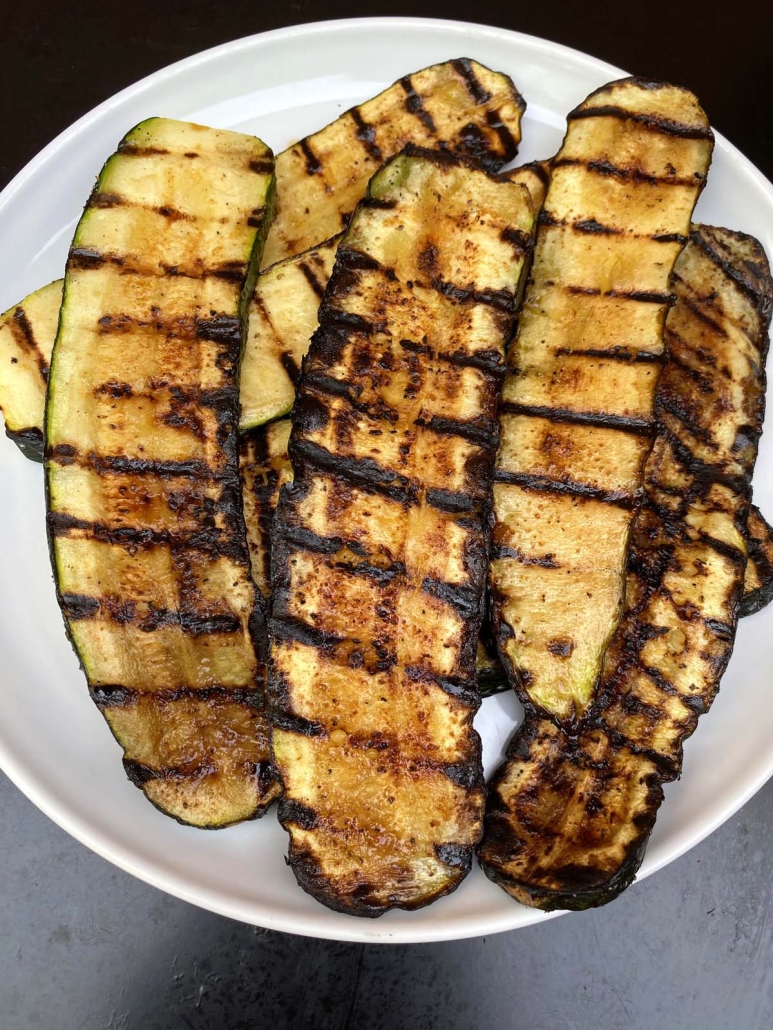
(53, 742)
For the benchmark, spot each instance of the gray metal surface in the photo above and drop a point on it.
(84, 946)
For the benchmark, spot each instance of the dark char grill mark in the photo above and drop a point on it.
(116, 695)
(603, 420)
(415, 105)
(622, 173)
(311, 278)
(291, 366)
(466, 692)
(530, 481)
(139, 774)
(313, 167)
(616, 353)
(481, 431)
(665, 126)
(361, 471)
(546, 561)
(24, 336)
(366, 134)
(502, 300)
(463, 68)
(133, 150)
(465, 599)
(297, 631)
(261, 167)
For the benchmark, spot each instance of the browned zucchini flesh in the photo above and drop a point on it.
(758, 579)
(458, 106)
(144, 501)
(379, 543)
(577, 403)
(569, 816)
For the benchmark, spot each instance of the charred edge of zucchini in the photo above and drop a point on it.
(760, 568)
(307, 876)
(29, 441)
(644, 767)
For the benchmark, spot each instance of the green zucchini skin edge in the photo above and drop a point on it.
(29, 441)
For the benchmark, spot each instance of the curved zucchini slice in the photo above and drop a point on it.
(758, 579)
(569, 816)
(577, 403)
(27, 333)
(458, 106)
(380, 542)
(144, 501)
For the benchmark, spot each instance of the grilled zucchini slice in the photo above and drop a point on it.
(577, 403)
(569, 816)
(758, 578)
(459, 106)
(144, 502)
(379, 543)
(27, 333)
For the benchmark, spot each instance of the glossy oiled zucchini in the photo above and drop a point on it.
(459, 106)
(379, 543)
(569, 816)
(577, 402)
(144, 501)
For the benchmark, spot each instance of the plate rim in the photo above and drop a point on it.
(90, 835)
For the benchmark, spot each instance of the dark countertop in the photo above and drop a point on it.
(86, 947)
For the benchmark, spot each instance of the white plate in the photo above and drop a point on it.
(53, 742)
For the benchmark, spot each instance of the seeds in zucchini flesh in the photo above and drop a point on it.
(458, 106)
(577, 403)
(144, 501)
(379, 543)
(569, 817)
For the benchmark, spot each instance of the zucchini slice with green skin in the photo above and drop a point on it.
(458, 106)
(569, 816)
(27, 333)
(577, 403)
(145, 515)
(379, 544)
(758, 579)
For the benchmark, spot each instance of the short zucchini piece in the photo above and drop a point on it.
(27, 333)
(577, 403)
(380, 542)
(758, 579)
(569, 816)
(144, 501)
(458, 106)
